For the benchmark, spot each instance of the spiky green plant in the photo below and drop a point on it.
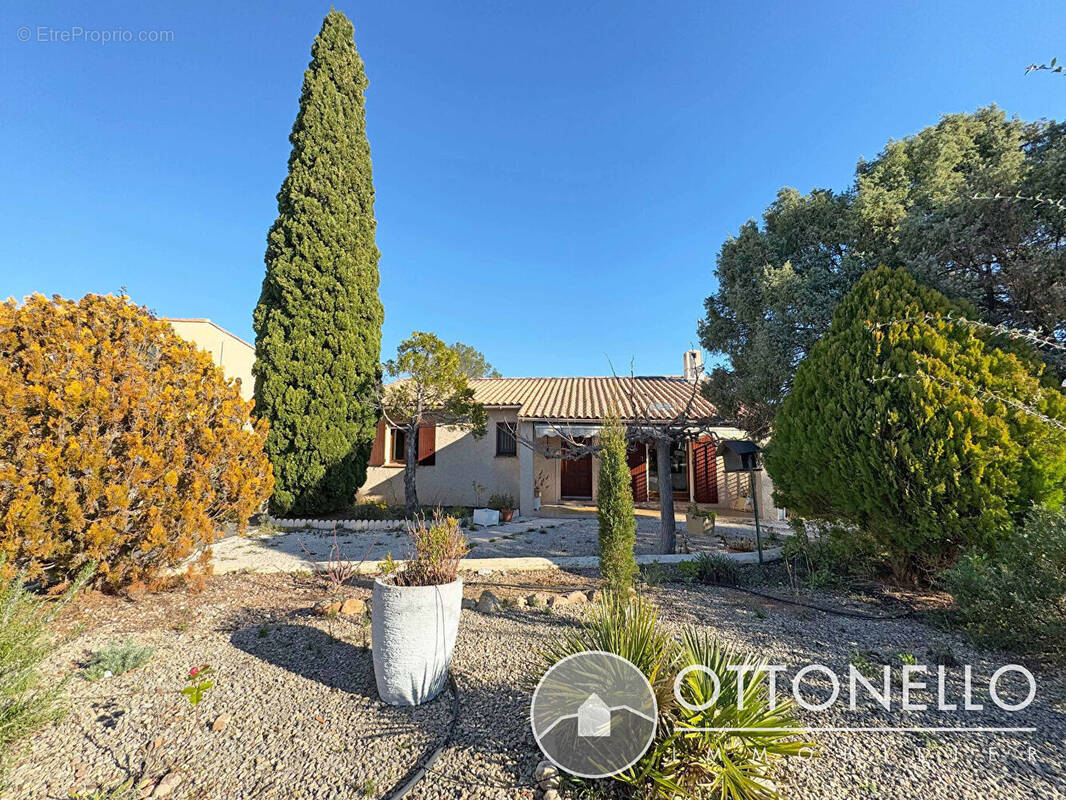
(115, 659)
(730, 749)
(27, 638)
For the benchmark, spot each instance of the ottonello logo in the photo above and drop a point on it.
(593, 714)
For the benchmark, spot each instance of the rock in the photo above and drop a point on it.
(577, 597)
(551, 794)
(221, 721)
(488, 603)
(593, 595)
(538, 600)
(558, 600)
(545, 769)
(325, 608)
(353, 605)
(469, 602)
(167, 784)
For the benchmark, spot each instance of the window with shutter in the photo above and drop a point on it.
(506, 442)
(377, 450)
(427, 445)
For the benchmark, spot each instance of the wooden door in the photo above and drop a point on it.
(575, 477)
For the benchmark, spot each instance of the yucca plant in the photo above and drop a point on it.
(627, 627)
(728, 750)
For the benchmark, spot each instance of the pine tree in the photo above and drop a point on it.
(318, 321)
(926, 433)
(614, 506)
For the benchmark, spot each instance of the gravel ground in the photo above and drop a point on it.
(306, 722)
(542, 536)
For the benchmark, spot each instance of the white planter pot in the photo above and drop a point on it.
(414, 629)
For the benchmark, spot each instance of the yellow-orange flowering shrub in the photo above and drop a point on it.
(120, 443)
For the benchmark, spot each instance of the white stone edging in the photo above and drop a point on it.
(339, 524)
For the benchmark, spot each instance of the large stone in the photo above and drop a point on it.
(593, 595)
(545, 769)
(167, 784)
(353, 605)
(488, 603)
(538, 600)
(557, 600)
(325, 608)
(469, 603)
(577, 597)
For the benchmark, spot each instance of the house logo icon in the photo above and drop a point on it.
(593, 718)
(593, 714)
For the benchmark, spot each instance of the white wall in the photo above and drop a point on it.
(461, 460)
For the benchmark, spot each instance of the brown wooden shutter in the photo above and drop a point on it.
(637, 460)
(705, 469)
(427, 444)
(377, 452)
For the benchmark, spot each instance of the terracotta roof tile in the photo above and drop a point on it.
(658, 397)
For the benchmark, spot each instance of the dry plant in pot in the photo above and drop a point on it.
(415, 614)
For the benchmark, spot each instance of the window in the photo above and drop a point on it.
(506, 443)
(399, 444)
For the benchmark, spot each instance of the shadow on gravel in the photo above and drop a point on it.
(311, 653)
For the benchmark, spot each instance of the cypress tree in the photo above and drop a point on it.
(318, 321)
(614, 506)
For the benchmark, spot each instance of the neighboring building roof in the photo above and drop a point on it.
(213, 325)
(654, 397)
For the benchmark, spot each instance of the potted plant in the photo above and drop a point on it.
(699, 522)
(504, 503)
(539, 485)
(415, 614)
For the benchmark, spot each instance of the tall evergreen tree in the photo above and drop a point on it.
(318, 322)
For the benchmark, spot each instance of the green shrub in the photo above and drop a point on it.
(914, 427)
(688, 571)
(717, 569)
(684, 761)
(116, 659)
(502, 502)
(614, 507)
(832, 555)
(27, 640)
(1015, 597)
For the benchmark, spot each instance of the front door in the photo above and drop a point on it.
(575, 477)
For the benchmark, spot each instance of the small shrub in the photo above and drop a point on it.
(1015, 597)
(688, 571)
(614, 507)
(374, 511)
(27, 639)
(833, 554)
(198, 683)
(714, 568)
(116, 659)
(120, 443)
(438, 548)
(941, 653)
(501, 502)
(653, 574)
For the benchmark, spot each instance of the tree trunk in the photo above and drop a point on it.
(410, 464)
(667, 527)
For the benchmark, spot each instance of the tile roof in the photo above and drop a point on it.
(657, 397)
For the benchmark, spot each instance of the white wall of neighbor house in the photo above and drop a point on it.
(461, 460)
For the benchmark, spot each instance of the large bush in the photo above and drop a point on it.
(120, 443)
(1016, 596)
(614, 506)
(917, 428)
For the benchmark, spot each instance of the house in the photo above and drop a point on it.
(230, 352)
(455, 468)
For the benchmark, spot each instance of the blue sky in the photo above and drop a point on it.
(554, 179)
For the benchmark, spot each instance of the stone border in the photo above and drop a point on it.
(339, 524)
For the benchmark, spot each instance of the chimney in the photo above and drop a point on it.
(693, 365)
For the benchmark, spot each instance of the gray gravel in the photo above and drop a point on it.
(306, 722)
